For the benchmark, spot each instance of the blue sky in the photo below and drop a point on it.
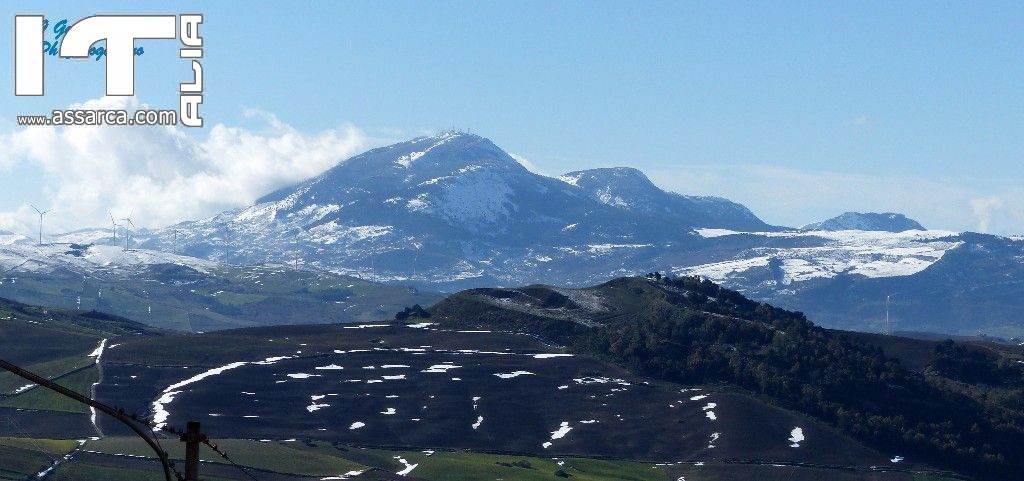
(800, 110)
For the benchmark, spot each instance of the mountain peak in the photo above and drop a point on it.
(619, 176)
(441, 151)
(868, 221)
(623, 187)
(631, 190)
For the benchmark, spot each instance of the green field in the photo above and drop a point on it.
(464, 466)
(52, 369)
(21, 458)
(82, 472)
(728, 472)
(42, 399)
(323, 459)
(293, 458)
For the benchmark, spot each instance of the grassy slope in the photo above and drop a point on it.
(322, 459)
(54, 343)
(42, 399)
(294, 458)
(31, 335)
(50, 370)
(21, 457)
(730, 472)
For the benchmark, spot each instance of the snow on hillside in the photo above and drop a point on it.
(26, 256)
(9, 238)
(87, 236)
(478, 198)
(406, 160)
(830, 253)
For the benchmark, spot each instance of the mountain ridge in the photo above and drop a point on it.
(631, 190)
(872, 221)
(455, 211)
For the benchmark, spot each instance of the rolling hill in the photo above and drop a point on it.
(950, 405)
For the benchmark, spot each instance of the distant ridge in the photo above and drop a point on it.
(885, 221)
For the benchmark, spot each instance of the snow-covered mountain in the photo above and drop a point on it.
(793, 257)
(886, 221)
(454, 211)
(937, 281)
(630, 190)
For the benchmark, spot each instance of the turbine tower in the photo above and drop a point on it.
(41, 214)
(113, 224)
(128, 233)
(416, 259)
(888, 331)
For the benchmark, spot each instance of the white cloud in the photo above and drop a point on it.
(163, 174)
(984, 209)
(525, 163)
(1000, 214)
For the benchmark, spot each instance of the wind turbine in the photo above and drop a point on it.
(416, 260)
(227, 247)
(888, 331)
(113, 223)
(128, 233)
(41, 214)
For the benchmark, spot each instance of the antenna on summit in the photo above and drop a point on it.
(41, 214)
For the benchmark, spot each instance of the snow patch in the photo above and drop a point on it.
(796, 436)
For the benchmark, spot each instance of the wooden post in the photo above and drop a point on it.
(192, 438)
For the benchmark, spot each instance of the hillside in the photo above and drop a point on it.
(951, 406)
(64, 346)
(171, 291)
(424, 387)
(441, 401)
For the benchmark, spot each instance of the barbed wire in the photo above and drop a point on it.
(228, 458)
(212, 446)
(133, 420)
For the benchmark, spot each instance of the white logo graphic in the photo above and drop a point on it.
(120, 33)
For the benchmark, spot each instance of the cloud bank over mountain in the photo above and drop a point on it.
(167, 175)
(164, 174)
